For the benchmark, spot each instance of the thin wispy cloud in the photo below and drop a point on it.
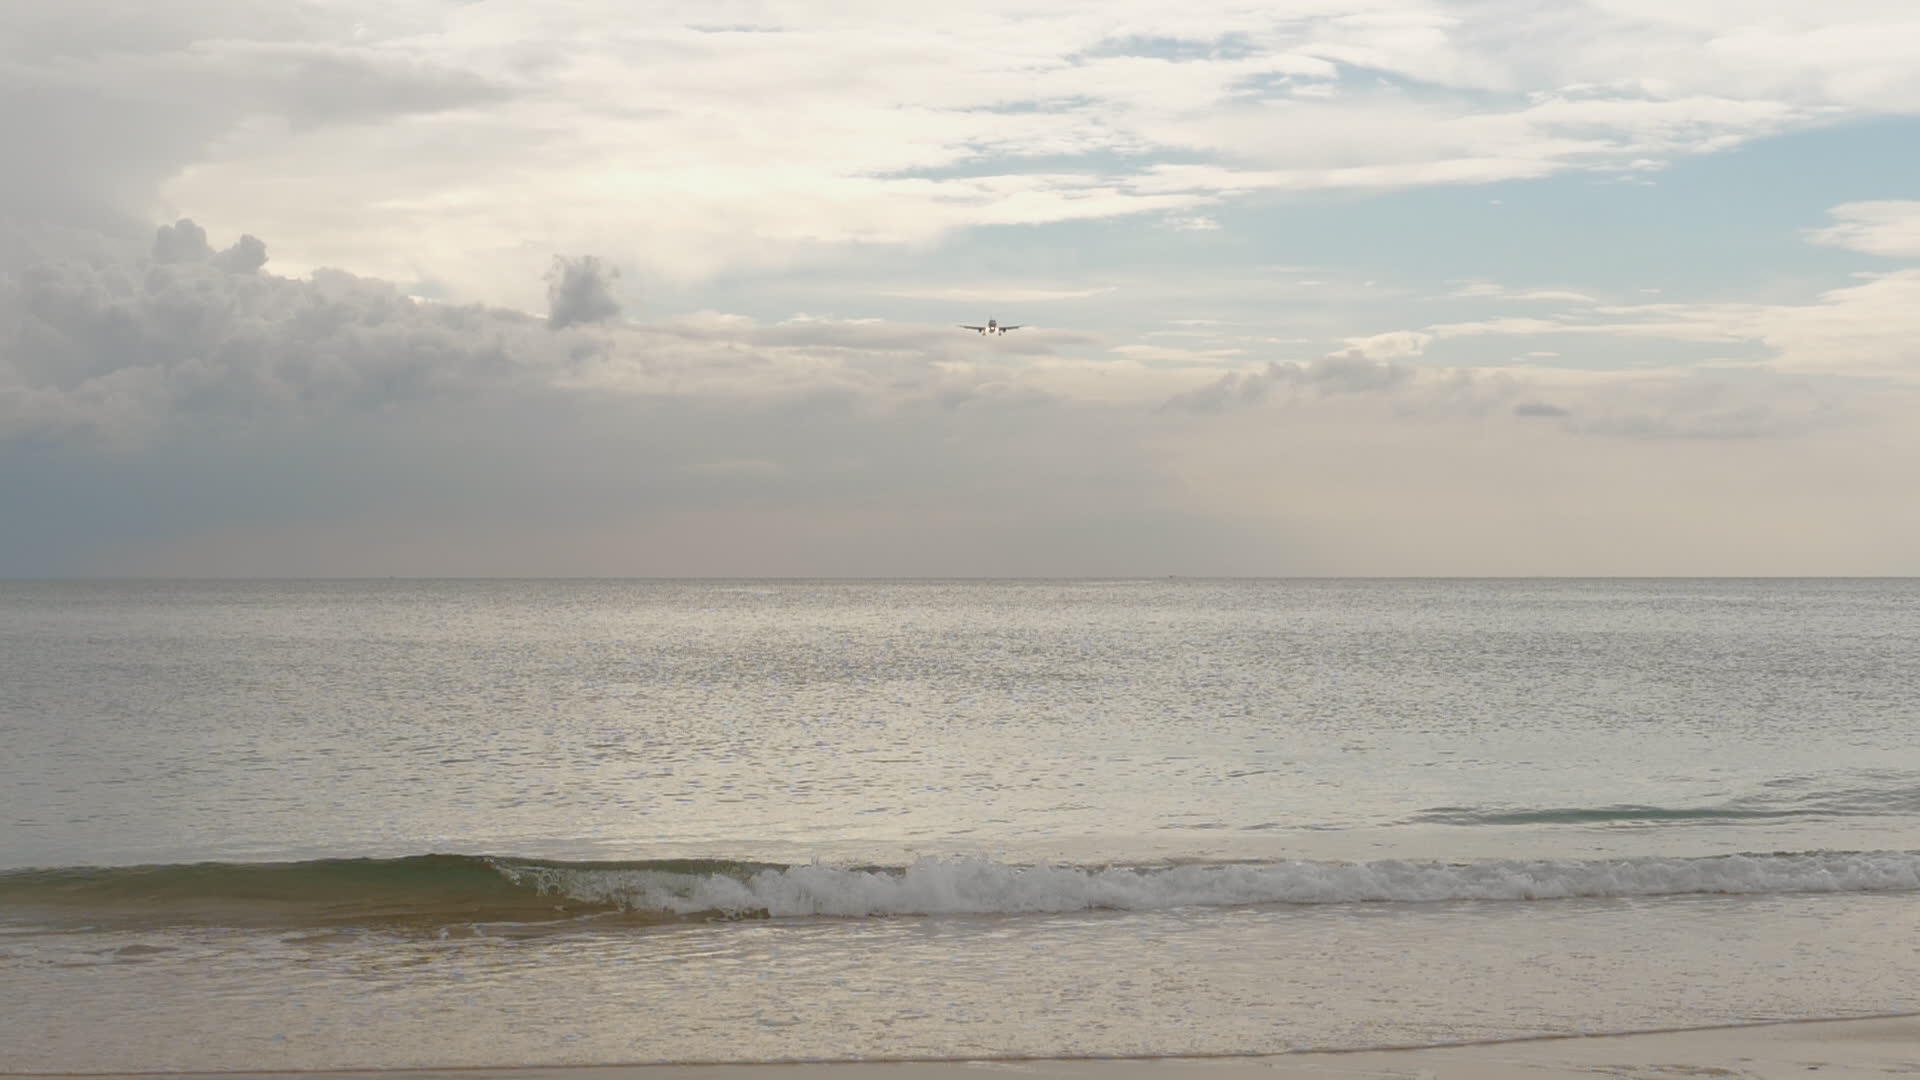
(1865, 329)
(1889, 227)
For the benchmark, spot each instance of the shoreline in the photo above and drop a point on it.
(1870, 1046)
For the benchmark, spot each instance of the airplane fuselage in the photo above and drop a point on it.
(993, 327)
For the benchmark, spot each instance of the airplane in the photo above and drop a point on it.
(991, 328)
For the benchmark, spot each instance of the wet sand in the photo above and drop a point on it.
(1826, 1050)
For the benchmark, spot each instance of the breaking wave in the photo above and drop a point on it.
(450, 889)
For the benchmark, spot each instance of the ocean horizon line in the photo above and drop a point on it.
(968, 578)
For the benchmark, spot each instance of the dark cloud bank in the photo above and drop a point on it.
(119, 346)
(173, 395)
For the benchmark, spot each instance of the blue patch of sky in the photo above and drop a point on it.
(1116, 164)
(1714, 226)
(1031, 106)
(1721, 227)
(1354, 80)
(1269, 84)
(1730, 225)
(1093, 249)
(1234, 46)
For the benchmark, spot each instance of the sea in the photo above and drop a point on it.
(254, 825)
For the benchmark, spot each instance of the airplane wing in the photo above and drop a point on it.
(973, 328)
(1015, 326)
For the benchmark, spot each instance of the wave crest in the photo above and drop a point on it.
(438, 890)
(937, 886)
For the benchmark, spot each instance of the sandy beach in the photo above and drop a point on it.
(1833, 1049)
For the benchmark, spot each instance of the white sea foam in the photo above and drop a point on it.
(939, 886)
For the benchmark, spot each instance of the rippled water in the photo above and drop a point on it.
(775, 820)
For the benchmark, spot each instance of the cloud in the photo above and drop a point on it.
(118, 347)
(178, 419)
(1167, 354)
(1539, 408)
(580, 291)
(208, 410)
(1705, 407)
(1656, 406)
(181, 417)
(1521, 497)
(990, 294)
(1190, 223)
(1395, 344)
(186, 242)
(748, 467)
(111, 346)
(1483, 290)
(1866, 329)
(159, 90)
(1349, 372)
(1890, 228)
(432, 140)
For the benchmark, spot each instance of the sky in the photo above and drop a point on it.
(615, 288)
